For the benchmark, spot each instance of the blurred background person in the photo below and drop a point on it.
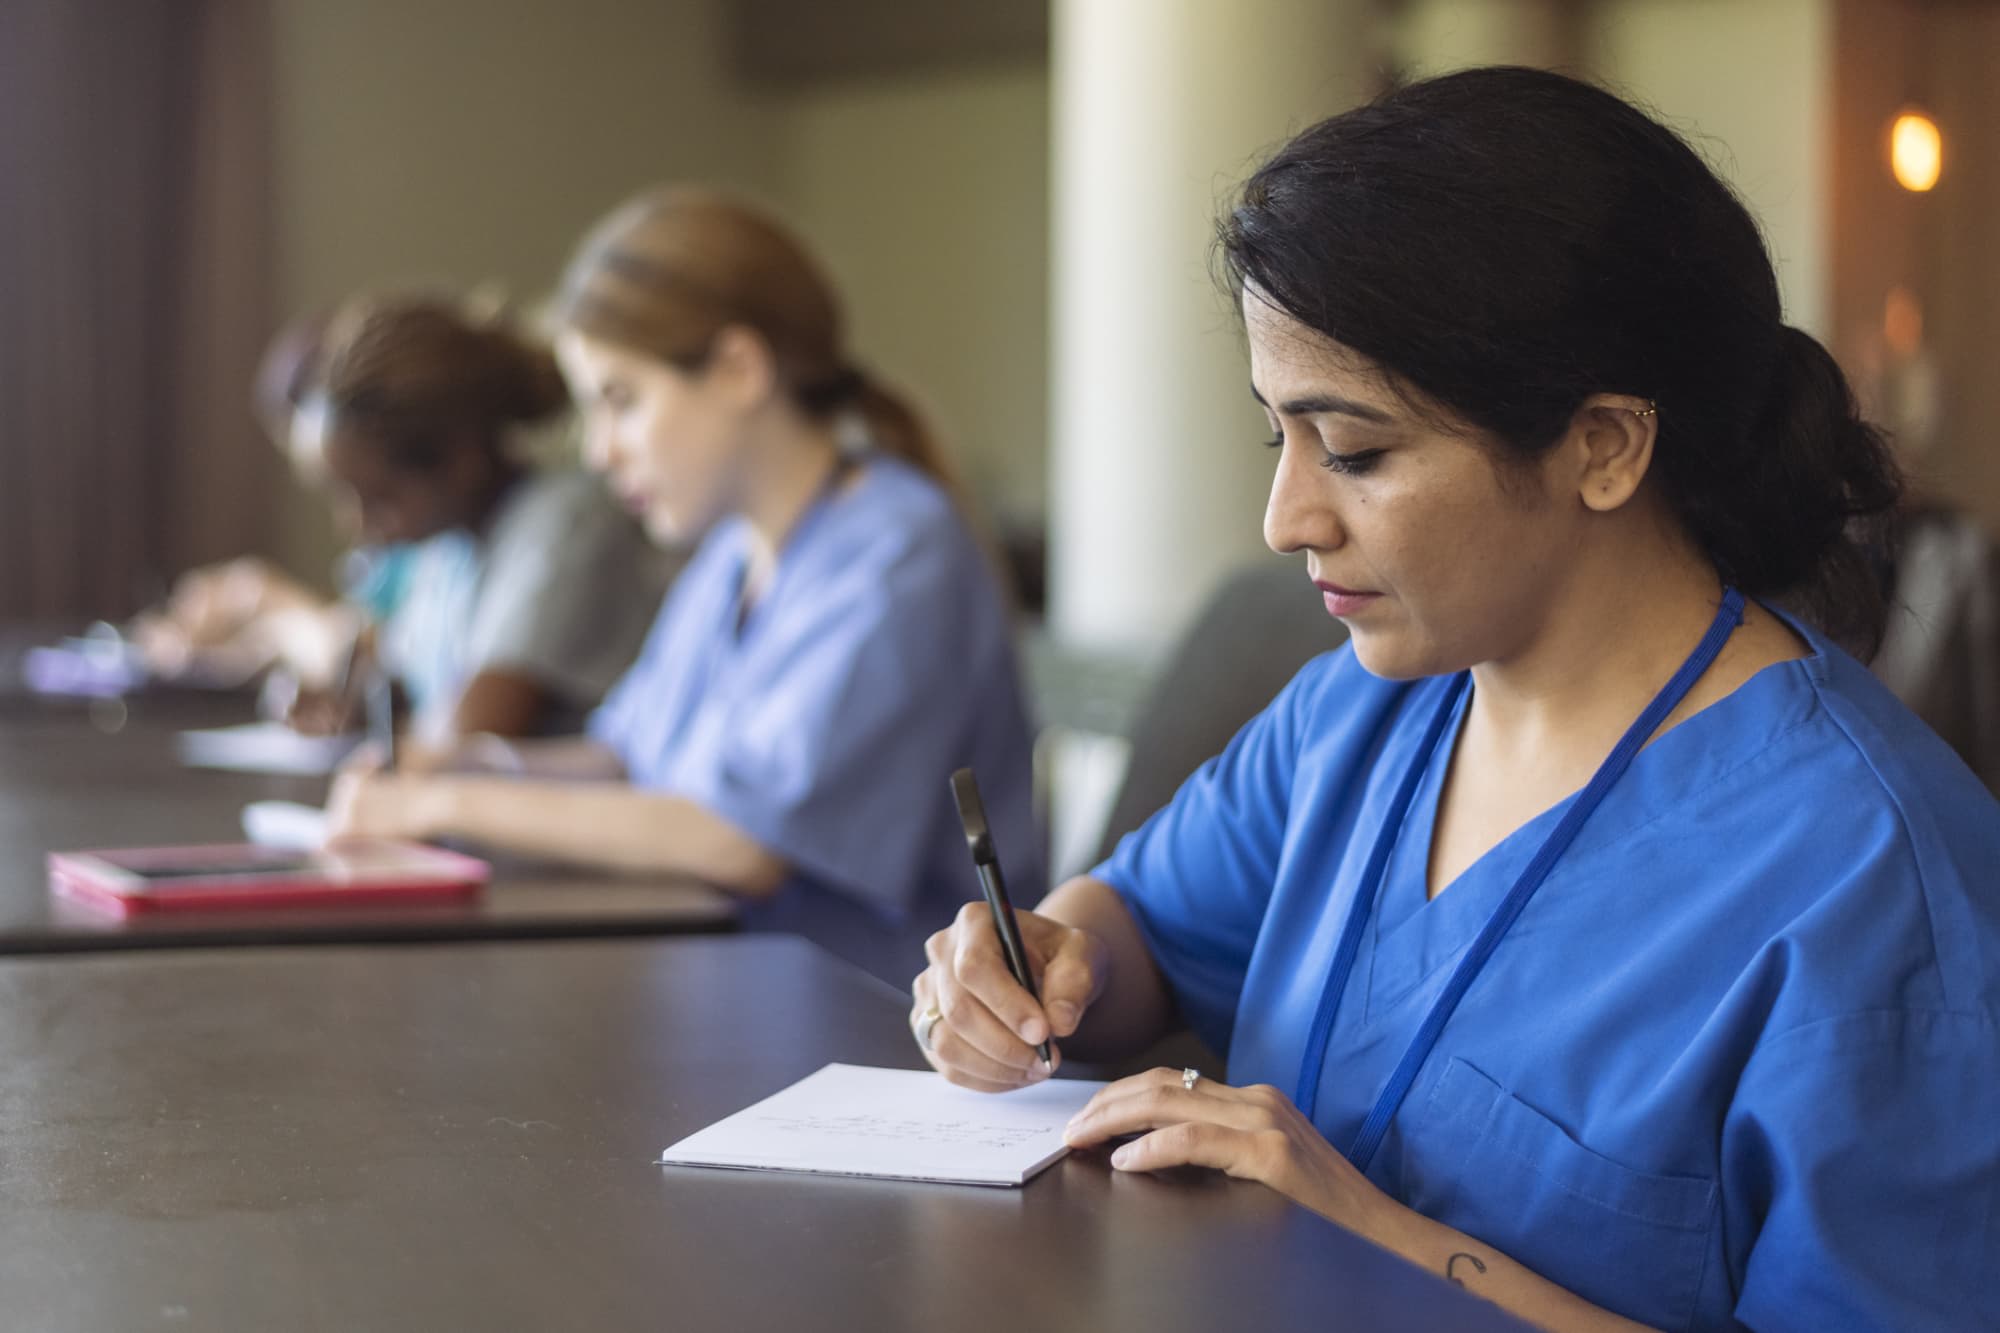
(527, 590)
(226, 622)
(838, 645)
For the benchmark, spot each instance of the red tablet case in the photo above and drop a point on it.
(362, 872)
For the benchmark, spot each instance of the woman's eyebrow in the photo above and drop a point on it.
(1319, 403)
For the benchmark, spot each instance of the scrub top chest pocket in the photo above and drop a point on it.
(1501, 1171)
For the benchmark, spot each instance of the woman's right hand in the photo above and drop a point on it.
(988, 1026)
(321, 713)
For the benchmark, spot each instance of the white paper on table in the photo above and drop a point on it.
(286, 824)
(897, 1124)
(265, 747)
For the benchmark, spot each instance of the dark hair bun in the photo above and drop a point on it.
(1797, 517)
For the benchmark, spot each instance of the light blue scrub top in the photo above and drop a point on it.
(878, 660)
(375, 578)
(1736, 1065)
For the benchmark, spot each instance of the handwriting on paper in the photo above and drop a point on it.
(899, 1124)
(957, 1133)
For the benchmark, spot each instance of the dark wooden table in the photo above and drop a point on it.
(452, 1137)
(77, 774)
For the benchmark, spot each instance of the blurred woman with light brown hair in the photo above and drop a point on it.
(838, 645)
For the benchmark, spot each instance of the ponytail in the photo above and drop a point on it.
(1805, 523)
(889, 424)
(897, 429)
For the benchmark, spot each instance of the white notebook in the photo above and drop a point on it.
(265, 747)
(286, 824)
(897, 1124)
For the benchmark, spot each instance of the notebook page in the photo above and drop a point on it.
(285, 824)
(265, 747)
(896, 1124)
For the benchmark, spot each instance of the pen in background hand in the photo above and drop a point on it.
(381, 701)
(979, 838)
(347, 678)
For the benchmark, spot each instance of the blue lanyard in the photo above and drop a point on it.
(1398, 1087)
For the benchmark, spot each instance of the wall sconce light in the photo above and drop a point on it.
(1916, 151)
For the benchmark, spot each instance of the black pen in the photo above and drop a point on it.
(381, 704)
(978, 837)
(350, 667)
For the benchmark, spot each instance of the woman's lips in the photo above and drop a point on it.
(1343, 602)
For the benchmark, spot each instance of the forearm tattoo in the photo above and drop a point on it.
(1453, 1266)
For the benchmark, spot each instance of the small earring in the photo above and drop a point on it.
(1648, 410)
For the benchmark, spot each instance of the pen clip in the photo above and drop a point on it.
(972, 815)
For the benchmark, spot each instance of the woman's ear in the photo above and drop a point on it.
(741, 366)
(1612, 436)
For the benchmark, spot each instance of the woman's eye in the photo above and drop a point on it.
(1350, 464)
(1354, 464)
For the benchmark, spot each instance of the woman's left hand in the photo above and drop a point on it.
(1253, 1133)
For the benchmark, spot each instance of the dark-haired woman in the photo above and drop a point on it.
(527, 591)
(232, 620)
(1591, 931)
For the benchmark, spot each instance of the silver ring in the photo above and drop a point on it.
(1189, 1077)
(926, 1021)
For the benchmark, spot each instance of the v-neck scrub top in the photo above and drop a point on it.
(827, 724)
(1737, 1064)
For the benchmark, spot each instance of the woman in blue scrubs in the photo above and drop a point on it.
(1593, 930)
(837, 646)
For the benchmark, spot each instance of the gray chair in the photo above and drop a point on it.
(1941, 650)
(1260, 627)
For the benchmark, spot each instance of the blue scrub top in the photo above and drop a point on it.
(1736, 1065)
(878, 660)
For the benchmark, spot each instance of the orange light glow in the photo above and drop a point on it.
(1903, 323)
(1916, 151)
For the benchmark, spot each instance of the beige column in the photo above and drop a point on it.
(1750, 82)
(1160, 107)
(1437, 36)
